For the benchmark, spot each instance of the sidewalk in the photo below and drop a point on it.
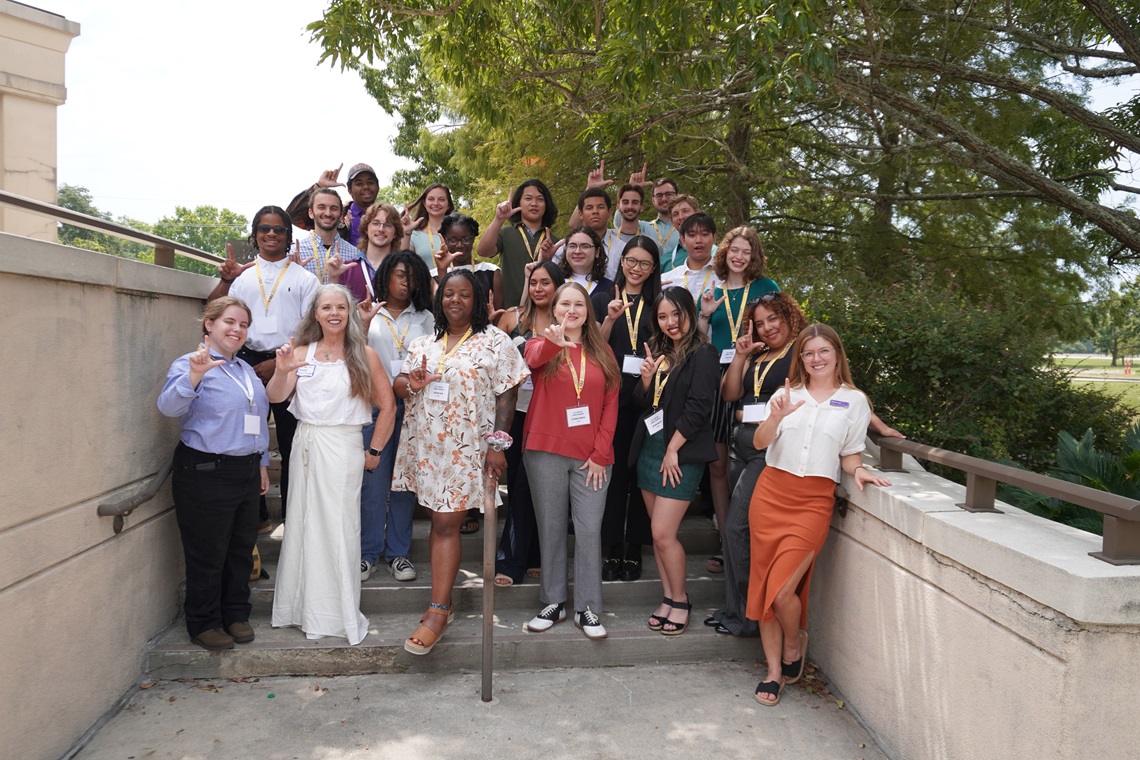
(683, 711)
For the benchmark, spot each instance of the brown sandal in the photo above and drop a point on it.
(424, 639)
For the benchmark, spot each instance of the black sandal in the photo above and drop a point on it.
(769, 687)
(678, 628)
(794, 671)
(656, 622)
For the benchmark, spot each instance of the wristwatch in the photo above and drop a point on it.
(374, 452)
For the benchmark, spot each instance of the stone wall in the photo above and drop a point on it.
(87, 340)
(959, 635)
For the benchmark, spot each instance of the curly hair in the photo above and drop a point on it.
(479, 317)
(355, 341)
(458, 217)
(419, 278)
(598, 272)
(265, 211)
(392, 216)
(783, 306)
(756, 266)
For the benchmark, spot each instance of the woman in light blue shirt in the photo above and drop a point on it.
(220, 470)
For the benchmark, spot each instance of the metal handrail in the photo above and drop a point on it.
(164, 249)
(1121, 539)
(121, 509)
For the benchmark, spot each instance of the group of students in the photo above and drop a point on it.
(646, 340)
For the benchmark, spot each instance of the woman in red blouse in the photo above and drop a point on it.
(568, 452)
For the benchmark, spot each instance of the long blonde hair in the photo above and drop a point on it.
(595, 349)
(355, 357)
(797, 375)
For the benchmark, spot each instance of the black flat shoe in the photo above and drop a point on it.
(719, 628)
(711, 621)
(611, 569)
(630, 570)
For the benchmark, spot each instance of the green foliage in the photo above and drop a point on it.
(206, 228)
(1079, 461)
(960, 377)
(79, 199)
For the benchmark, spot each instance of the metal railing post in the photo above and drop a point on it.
(1121, 545)
(164, 256)
(980, 494)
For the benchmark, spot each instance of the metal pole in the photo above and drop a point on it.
(489, 546)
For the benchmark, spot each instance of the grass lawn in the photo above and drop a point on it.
(1130, 392)
(1094, 362)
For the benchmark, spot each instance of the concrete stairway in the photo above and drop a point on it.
(394, 608)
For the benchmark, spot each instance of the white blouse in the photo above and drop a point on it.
(810, 440)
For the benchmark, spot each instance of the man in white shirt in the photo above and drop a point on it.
(594, 211)
(277, 293)
(323, 251)
(698, 235)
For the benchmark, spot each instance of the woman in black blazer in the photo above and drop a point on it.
(674, 440)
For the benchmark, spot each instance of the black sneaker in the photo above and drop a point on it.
(551, 615)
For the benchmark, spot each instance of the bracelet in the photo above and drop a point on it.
(499, 440)
(228, 282)
(858, 467)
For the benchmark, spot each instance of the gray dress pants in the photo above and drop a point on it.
(558, 490)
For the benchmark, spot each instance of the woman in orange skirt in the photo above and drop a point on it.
(814, 431)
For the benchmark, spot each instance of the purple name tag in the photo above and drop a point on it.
(840, 404)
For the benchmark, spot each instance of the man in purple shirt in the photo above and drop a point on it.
(363, 186)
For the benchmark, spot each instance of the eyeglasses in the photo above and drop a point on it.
(276, 229)
(824, 354)
(580, 246)
(382, 225)
(459, 241)
(644, 266)
(665, 194)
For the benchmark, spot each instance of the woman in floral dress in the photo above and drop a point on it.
(460, 386)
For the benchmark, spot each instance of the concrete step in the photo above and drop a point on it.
(696, 534)
(286, 651)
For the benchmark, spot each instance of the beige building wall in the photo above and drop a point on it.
(33, 44)
(89, 340)
(983, 636)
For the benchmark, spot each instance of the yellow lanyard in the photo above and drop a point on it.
(659, 384)
(579, 379)
(758, 377)
(276, 282)
(657, 232)
(321, 265)
(445, 354)
(399, 338)
(431, 240)
(632, 321)
(735, 325)
(705, 284)
(526, 241)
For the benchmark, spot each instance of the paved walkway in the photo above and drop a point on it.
(682, 711)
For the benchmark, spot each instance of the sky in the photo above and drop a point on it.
(207, 103)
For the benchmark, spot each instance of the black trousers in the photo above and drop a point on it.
(518, 545)
(286, 429)
(625, 519)
(215, 502)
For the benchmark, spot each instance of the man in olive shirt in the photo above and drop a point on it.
(531, 213)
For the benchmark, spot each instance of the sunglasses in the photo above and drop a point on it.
(276, 229)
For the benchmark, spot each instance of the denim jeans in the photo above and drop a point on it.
(385, 515)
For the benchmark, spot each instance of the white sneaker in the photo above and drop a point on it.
(550, 615)
(366, 569)
(402, 569)
(590, 624)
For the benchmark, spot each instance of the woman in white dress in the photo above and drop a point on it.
(335, 379)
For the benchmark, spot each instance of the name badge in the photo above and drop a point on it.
(727, 355)
(840, 404)
(577, 416)
(306, 370)
(252, 424)
(631, 364)
(267, 324)
(655, 422)
(394, 367)
(753, 413)
(528, 384)
(438, 391)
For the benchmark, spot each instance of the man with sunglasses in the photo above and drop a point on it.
(363, 187)
(277, 293)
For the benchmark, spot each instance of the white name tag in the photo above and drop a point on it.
(631, 364)
(753, 413)
(528, 384)
(267, 324)
(394, 367)
(727, 355)
(576, 416)
(438, 391)
(306, 370)
(655, 422)
(252, 424)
